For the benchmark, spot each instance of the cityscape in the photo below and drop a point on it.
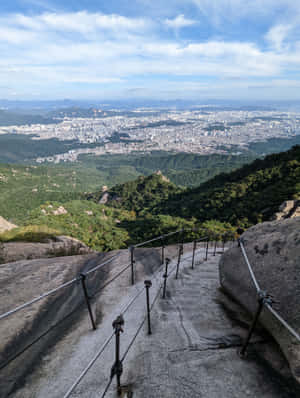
(193, 131)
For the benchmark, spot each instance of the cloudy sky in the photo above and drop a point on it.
(167, 49)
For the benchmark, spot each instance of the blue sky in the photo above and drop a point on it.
(166, 49)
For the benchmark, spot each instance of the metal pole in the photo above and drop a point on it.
(194, 249)
(162, 250)
(215, 248)
(223, 245)
(87, 299)
(182, 242)
(263, 298)
(206, 254)
(180, 252)
(148, 284)
(165, 276)
(131, 248)
(117, 368)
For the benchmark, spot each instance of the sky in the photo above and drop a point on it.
(158, 49)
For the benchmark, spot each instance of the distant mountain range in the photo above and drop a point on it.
(130, 103)
(9, 118)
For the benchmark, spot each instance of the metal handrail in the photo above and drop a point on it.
(266, 304)
(35, 300)
(79, 278)
(158, 238)
(90, 271)
(50, 292)
(241, 243)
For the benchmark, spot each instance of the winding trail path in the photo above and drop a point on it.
(191, 353)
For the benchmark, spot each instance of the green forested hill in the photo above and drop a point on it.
(23, 188)
(140, 195)
(95, 225)
(246, 196)
(184, 169)
(148, 206)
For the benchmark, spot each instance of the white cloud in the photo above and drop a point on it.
(277, 35)
(179, 22)
(82, 22)
(15, 36)
(62, 49)
(226, 9)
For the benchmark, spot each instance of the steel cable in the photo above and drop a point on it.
(102, 264)
(7, 362)
(41, 297)
(98, 354)
(158, 238)
(267, 305)
(249, 266)
(110, 281)
(50, 292)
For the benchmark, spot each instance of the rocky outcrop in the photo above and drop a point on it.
(164, 178)
(104, 199)
(20, 282)
(6, 225)
(288, 209)
(60, 246)
(273, 249)
(59, 316)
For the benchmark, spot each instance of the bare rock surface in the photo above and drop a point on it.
(22, 281)
(273, 249)
(60, 246)
(288, 209)
(191, 352)
(6, 225)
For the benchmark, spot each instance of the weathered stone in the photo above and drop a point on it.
(273, 249)
(288, 209)
(6, 225)
(104, 198)
(22, 281)
(287, 206)
(60, 246)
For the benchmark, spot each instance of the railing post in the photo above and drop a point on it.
(117, 368)
(180, 252)
(262, 299)
(162, 250)
(148, 284)
(165, 276)
(206, 251)
(131, 249)
(194, 249)
(87, 299)
(215, 248)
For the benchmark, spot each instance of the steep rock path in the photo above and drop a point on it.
(191, 353)
(193, 349)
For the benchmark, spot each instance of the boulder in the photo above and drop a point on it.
(273, 249)
(288, 209)
(6, 225)
(60, 246)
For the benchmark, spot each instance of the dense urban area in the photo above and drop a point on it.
(195, 131)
